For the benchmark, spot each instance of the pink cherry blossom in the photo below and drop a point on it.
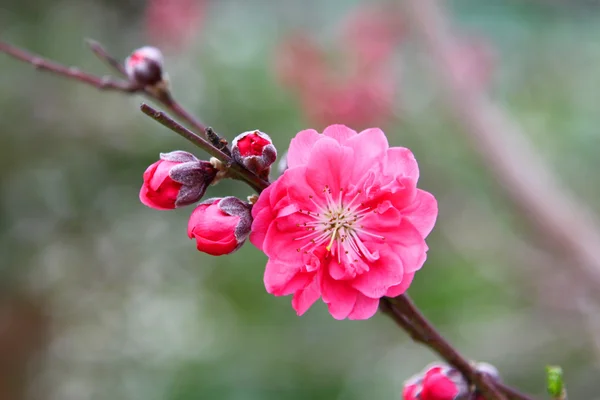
(361, 101)
(372, 32)
(361, 90)
(173, 24)
(345, 222)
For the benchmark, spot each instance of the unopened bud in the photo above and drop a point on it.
(437, 382)
(145, 66)
(220, 225)
(412, 388)
(178, 179)
(255, 151)
(488, 369)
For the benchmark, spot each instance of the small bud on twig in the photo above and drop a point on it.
(255, 151)
(145, 66)
(178, 179)
(220, 225)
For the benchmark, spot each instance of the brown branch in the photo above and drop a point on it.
(403, 311)
(103, 55)
(179, 111)
(512, 393)
(162, 96)
(236, 169)
(99, 82)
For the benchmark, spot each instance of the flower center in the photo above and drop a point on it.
(337, 224)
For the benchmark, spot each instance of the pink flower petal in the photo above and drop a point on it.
(341, 133)
(369, 147)
(328, 165)
(410, 246)
(339, 296)
(402, 287)
(300, 147)
(299, 282)
(277, 193)
(263, 200)
(364, 308)
(278, 274)
(161, 173)
(403, 192)
(383, 274)
(423, 212)
(298, 190)
(401, 236)
(304, 298)
(280, 240)
(260, 226)
(401, 161)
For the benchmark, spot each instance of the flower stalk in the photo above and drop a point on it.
(406, 314)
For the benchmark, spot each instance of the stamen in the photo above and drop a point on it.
(363, 248)
(333, 237)
(369, 233)
(337, 226)
(348, 207)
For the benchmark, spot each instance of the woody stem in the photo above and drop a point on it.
(238, 171)
(404, 312)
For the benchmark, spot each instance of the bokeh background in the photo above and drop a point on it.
(103, 298)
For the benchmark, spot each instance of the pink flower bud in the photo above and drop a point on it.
(438, 382)
(412, 388)
(444, 383)
(145, 66)
(255, 151)
(177, 179)
(220, 225)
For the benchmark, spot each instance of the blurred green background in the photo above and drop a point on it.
(103, 298)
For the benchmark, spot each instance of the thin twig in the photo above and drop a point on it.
(403, 311)
(99, 82)
(386, 307)
(406, 315)
(217, 141)
(236, 169)
(179, 111)
(163, 97)
(103, 55)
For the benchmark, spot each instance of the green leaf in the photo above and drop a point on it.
(554, 382)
